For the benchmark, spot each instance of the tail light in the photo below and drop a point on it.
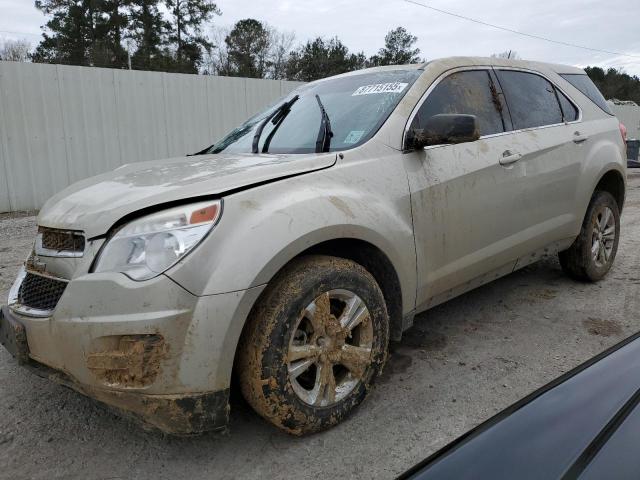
(623, 132)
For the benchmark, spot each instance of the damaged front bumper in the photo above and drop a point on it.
(151, 349)
(178, 414)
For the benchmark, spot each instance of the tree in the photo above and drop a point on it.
(111, 28)
(248, 46)
(148, 30)
(615, 83)
(249, 49)
(15, 51)
(321, 58)
(83, 32)
(186, 20)
(280, 51)
(398, 49)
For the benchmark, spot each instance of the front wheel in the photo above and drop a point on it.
(592, 254)
(314, 344)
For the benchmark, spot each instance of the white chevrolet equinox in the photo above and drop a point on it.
(291, 251)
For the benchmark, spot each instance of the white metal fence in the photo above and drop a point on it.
(630, 116)
(60, 124)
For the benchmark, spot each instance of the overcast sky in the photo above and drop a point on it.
(362, 24)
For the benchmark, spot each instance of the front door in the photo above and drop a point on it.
(464, 200)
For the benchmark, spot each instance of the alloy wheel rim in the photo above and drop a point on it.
(330, 349)
(603, 236)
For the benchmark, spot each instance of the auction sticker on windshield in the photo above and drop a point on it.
(393, 87)
(354, 136)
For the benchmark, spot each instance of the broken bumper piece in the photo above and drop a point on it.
(171, 414)
(179, 414)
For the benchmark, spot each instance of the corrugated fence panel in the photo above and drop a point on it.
(60, 124)
(630, 116)
(5, 201)
(286, 86)
(90, 121)
(36, 157)
(227, 106)
(261, 93)
(141, 116)
(186, 107)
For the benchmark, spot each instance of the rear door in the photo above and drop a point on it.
(547, 142)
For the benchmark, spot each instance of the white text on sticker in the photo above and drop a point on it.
(393, 87)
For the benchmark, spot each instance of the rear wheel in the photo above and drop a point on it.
(593, 252)
(314, 344)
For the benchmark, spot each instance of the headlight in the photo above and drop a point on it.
(150, 245)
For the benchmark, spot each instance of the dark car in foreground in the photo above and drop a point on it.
(584, 425)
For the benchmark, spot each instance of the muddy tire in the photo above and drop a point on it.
(313, 344)
(591, 255)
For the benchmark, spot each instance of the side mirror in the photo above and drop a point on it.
(446, 128)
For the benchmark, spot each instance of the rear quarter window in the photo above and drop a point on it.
(531, 99)
(583, 83)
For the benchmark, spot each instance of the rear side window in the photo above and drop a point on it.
(569, 110)
(471, 93)
(531, 99)
(583, 83)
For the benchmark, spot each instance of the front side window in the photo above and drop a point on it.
(355, 105)
(471, 93)
(531, 99)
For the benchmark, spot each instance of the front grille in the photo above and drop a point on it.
(61, 240)
(39, 292)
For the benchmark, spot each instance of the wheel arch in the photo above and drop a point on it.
(612, 181)
(366, 254)
(377, 263)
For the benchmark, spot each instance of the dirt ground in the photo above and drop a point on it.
(462, 362)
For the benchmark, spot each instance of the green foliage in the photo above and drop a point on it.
(248, 45)
(398, 49)
(148, 30)
(615, 83)
(92, 33)
(85, 32)
(187, 19)
(321, 58)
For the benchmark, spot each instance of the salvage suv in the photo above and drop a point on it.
(289, 254)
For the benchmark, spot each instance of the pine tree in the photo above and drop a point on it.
(187, 18)
(84, 32)
(398, 49)
(321, 58)
(149, 31)
(248, 46)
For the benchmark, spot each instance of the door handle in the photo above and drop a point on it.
(579, 138)
(509, 158)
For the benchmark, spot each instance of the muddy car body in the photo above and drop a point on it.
(298, 255)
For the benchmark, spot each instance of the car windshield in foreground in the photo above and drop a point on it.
(356, 107)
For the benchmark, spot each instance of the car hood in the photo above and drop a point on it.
(94, 205)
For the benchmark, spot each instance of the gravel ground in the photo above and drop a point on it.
(461, 363)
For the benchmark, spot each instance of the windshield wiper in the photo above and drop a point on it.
(201, 152)
(276, 115)
(323, 143)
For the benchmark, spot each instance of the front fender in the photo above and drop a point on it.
(263, 228)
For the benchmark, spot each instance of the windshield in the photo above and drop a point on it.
(355, 105)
